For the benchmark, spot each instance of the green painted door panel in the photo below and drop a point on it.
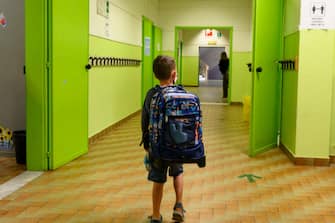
(266, 89)
(147, 56)
(190, 71)
(290, 95)
(68, 99)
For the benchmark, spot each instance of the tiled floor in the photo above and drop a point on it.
(109, 183)
(9, 168)
(210, 91)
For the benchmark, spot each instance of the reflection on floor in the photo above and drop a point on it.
(17, 182)
(209, 91)
(109, 183)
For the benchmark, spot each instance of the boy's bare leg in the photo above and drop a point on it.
(157, 194)
(178, 183)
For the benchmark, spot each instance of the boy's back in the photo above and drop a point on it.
(155, 110)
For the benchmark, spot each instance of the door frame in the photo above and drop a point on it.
(39, 61)
(176, 47)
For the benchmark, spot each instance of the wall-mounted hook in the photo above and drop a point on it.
(249, 67)
(95, 61)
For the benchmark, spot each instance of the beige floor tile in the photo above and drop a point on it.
(109, 183)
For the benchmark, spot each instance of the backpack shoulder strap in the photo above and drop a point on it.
(157, 87)
(157, 96)
(180, 88)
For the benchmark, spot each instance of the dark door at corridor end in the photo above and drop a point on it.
(210, 56)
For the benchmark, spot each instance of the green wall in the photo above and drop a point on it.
(241, 77)
(190, 71)
(289, 95)
(114, 92)
(332, 151)
(308, 113)
(315, 78)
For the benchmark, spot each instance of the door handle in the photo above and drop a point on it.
(259, 69)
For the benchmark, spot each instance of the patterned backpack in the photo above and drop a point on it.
(175, 132)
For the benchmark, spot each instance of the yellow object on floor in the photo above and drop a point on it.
(246, 108)
(5, 138)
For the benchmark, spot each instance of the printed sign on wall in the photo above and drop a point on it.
(3, 20)
(208, 32)
(317, 14)
(147, 46)
(103, 8)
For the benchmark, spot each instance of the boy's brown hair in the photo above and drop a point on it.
(163, 67)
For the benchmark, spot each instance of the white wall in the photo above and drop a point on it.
(193, 39)
(124, 23)
(237, 14)
(292, 16)
(12, 80)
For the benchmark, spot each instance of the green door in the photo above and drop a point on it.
(266, 86)
(68, 82)
(147, 56)
(56, 81)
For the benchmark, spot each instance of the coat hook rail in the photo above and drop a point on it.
(111, 62)
(287, 64)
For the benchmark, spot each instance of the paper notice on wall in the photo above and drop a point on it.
(147, 46)
(3, 20)
(317, 14)
(103, 8)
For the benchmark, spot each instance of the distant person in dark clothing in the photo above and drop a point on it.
(224, 67)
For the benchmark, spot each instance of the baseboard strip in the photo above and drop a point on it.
(305, 161)
(105, 131)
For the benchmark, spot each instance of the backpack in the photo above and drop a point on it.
(175, 131)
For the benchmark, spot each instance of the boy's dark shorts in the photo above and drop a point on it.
(159, 170)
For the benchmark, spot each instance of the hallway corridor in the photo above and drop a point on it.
(108, 185)
(209, 91)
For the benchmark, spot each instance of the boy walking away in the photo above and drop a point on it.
(169, 128)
